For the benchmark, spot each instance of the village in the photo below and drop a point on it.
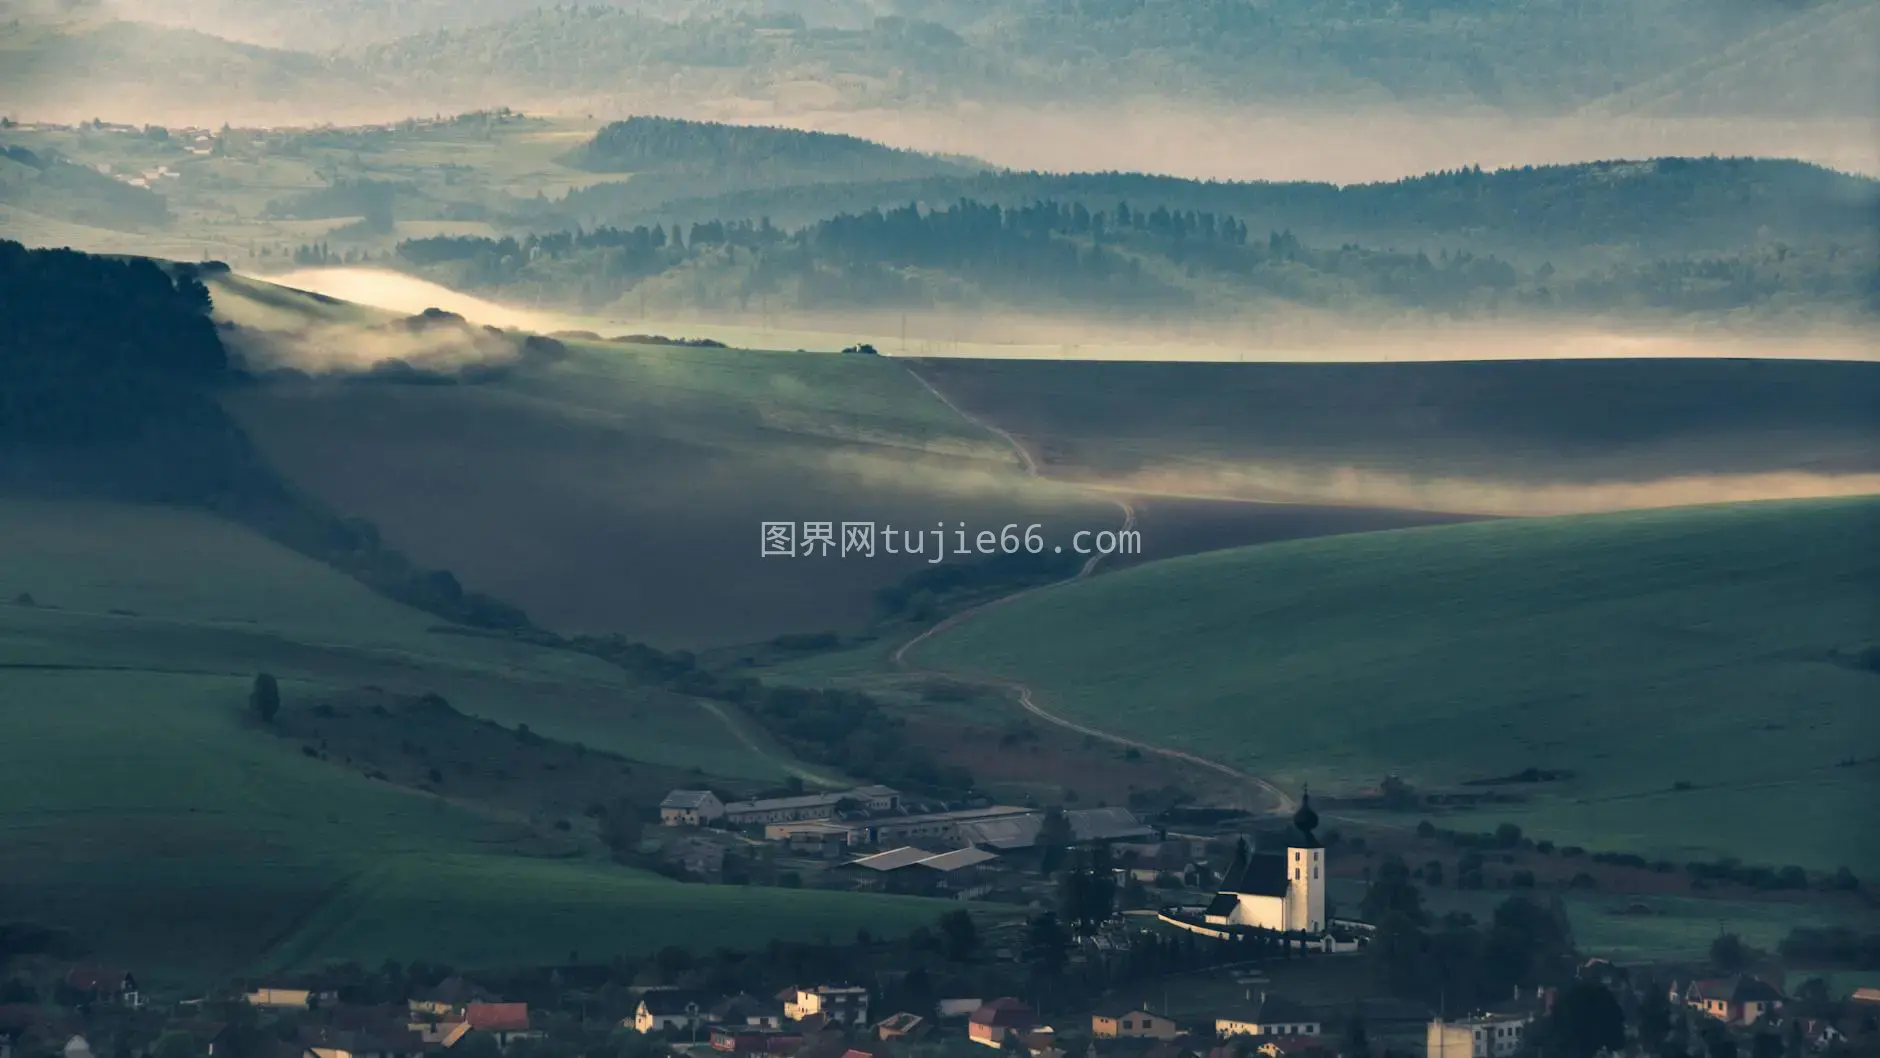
(1262, 967)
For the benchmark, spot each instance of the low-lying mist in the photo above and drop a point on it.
(421, 334)
(396, 292)
(1348, 486)
(1296, 334)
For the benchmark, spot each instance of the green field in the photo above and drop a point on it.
(623, 489)
(139, 807)
(1638, 650)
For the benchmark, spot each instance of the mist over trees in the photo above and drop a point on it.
(1126, 259)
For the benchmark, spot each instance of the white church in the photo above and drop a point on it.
(1281, 890)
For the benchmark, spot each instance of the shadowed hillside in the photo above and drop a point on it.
(1510, 437)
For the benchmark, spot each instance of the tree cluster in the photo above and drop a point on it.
(1453, 960)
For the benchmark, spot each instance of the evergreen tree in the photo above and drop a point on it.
(265, 697)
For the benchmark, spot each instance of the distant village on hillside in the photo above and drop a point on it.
(1262, 967)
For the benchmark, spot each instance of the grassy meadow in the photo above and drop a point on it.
(1693, 668)
(623, 489)
(141, 808)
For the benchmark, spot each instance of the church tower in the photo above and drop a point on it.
(1305, 873)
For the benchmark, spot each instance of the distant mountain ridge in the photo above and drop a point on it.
(1809, 58)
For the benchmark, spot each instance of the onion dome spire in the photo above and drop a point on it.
(1305, 820)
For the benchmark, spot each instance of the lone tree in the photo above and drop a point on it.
(1586, 1020)
(959, 938)
(265, 698)
(1728, 953)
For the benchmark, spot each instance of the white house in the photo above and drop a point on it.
(1270, 1015)
(847, 1004)
(1282, 890)
(1488, 1036)
(671, 1010)
(690, 808)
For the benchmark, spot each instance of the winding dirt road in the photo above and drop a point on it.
(1276, 801)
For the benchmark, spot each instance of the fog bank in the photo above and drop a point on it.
(1288, 335)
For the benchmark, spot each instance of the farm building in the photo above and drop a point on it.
(690, 808)
(1088, 826)
(812, 806)
(939, 827)
(915, 870)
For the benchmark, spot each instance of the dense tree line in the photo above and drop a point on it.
(1454, 960)
(1663, 207)
(1122, 258)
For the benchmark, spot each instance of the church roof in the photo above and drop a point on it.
(1223, 904)
(1305, 820)
(1265, 875)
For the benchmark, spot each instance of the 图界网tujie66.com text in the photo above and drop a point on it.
(936, 543)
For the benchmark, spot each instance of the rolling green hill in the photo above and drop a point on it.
(140, 809)
(1705, 674)
(622, 490)
(54, 187)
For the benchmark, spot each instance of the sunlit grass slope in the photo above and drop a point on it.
(1716, 647)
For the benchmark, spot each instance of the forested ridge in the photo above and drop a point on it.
(1664, 205)
(110, 371)
(658, 144)
(1124, 259)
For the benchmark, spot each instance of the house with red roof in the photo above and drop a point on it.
(994, 1021)
(506, 1022)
